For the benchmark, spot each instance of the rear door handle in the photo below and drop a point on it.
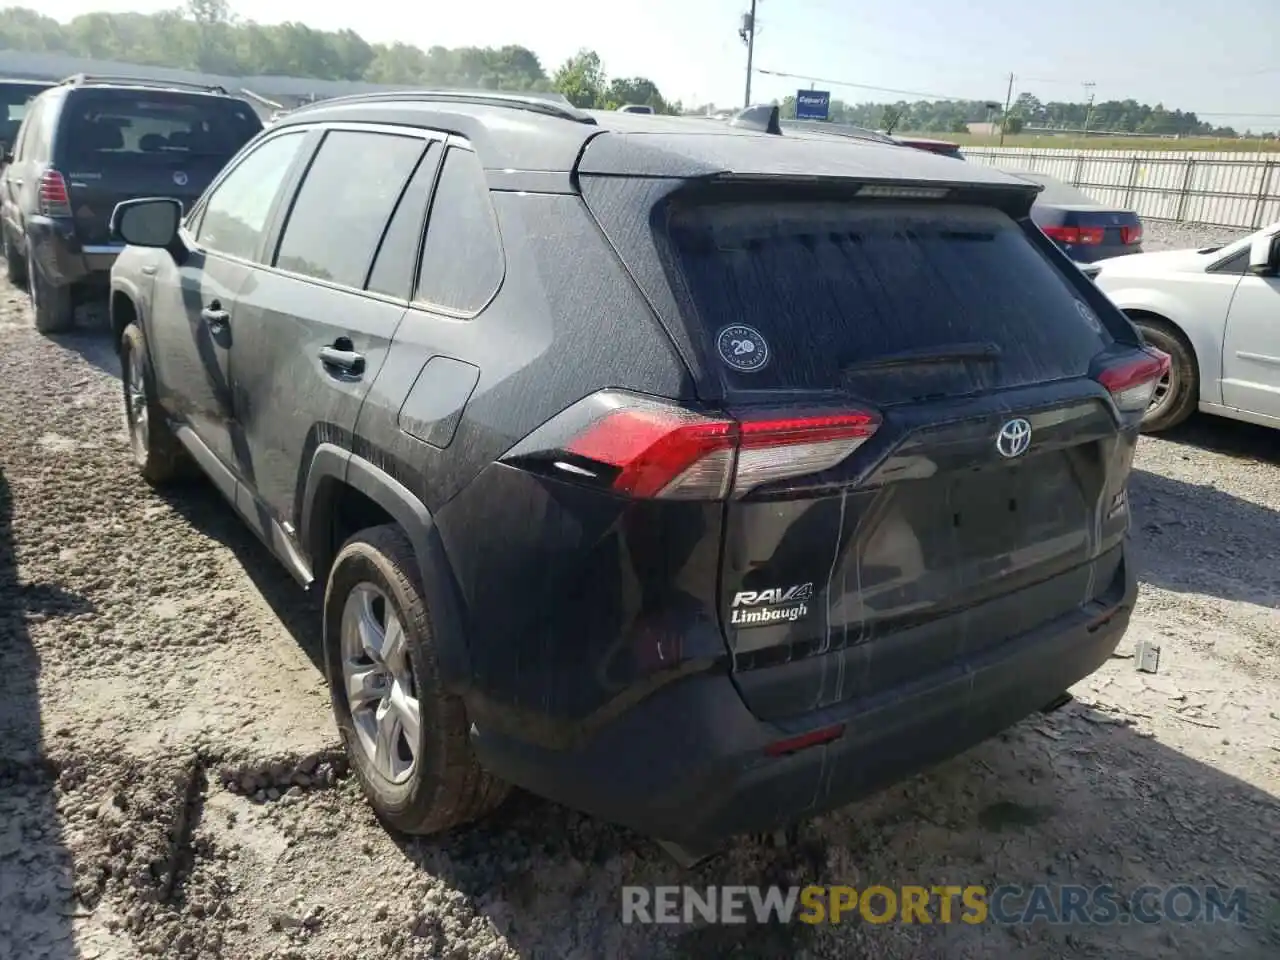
(348, 361)
(215, 316)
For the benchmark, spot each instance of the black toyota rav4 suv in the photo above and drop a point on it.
(701, 479)
(84, 145)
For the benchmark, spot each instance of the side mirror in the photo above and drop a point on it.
(6, 155)
(147, 222)
(1264, 256)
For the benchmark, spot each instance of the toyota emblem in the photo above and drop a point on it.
(180, 178)
(1014, 438)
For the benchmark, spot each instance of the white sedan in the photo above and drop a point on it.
(1216, 312)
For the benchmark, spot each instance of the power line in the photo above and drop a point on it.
(860, 86)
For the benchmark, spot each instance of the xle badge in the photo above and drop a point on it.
(743, 348)
(762, 608)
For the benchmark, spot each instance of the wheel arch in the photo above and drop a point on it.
(123, 310)
(333, 474)
(1137, 313)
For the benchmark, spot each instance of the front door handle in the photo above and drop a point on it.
(348, 361)
(17, 182)
(214, 315)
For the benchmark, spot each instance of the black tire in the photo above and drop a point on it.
(159, 455)
(51, 303)
(15, 265)
(446, 786)
(1178, 396)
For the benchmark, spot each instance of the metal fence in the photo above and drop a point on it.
(1220, 189)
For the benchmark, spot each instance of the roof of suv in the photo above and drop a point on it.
(538, 133)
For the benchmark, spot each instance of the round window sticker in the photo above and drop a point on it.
(743, 348)
(1089, 316)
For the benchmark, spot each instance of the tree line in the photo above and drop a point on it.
(1026, 112)
(207, 36)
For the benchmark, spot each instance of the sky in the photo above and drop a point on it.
(1221, 62)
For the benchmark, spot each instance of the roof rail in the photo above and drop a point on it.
(84, 79)
(551, 105)
(763, 117)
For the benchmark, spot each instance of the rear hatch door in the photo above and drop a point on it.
(116, 144)
(996, 468)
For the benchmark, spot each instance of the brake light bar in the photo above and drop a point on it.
(1084, 236)
(647, 448)
(889, 191)
(1132, 382)
(55, 201)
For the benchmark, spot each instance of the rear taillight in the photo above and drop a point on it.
(650, 449)
(1086, 236)
(1132, 382)
(1131, 235)
(54, 199)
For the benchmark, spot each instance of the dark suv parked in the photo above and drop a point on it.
(86, 144)
(701, 479)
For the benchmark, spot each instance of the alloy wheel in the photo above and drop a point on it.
(135, 405)
(1165, 391)
(377, 677)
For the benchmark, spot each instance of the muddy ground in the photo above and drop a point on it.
(170, 784)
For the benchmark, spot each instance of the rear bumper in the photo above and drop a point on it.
(688, 764)
(53, 245)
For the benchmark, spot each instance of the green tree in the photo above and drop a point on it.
(639, 90)
(581, 79)
(398, 63)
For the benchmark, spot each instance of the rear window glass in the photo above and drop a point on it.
(1055, 191)
(831, 286)
(14, 99)
(142, 127)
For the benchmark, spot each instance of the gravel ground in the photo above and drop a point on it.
(170, 784)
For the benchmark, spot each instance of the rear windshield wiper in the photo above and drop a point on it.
(949, 353)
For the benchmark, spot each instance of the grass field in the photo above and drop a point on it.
(1069, 142)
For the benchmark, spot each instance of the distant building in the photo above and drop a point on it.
(984, 129)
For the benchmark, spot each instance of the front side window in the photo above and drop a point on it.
(235, 216)
(344, 204)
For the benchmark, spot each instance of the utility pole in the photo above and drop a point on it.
(748, 35)
(1008, 104)
(1088, 114)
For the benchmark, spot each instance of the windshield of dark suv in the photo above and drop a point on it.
(845, 288)
(102, 126)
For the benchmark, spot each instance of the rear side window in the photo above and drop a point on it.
(124, 126)
(1055, 191)
(462, 262)
(14, 101)
(831, 288)
(344, 204)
